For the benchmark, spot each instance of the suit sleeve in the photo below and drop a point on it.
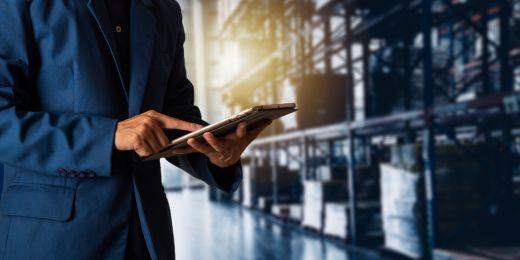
(180, 104)
(37, 140)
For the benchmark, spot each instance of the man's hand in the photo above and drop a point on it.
(144, 133)
(225, 151)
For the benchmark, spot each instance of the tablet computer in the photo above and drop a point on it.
(251, 116)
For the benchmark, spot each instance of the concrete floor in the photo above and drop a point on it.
(208, 230)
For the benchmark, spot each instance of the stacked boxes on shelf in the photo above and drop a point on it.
(368, 207)
(460, 189)
(288, 188)
(256, 183)
(368, 193)
(288, 184)
(321, 105)
(316, 194)
(368, 216)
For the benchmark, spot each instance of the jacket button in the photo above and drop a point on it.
(90, 173)
(61, 171)
(72, 174)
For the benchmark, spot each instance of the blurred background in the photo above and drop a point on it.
(406, 143)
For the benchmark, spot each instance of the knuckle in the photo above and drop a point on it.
(142, 128)
(135, 137)
(148, 121)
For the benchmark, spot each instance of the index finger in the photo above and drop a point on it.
(174, 123)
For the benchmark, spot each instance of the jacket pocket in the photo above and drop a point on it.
(38, 201)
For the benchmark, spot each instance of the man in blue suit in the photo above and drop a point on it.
(86, 88)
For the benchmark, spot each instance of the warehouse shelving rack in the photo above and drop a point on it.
(493, 111)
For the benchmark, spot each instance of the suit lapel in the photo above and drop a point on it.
(142, 45)
(100, 13)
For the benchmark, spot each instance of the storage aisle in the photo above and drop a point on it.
(208, 230)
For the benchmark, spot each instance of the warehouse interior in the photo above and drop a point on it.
(405, 146)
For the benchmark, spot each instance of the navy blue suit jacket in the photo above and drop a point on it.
(67, 193)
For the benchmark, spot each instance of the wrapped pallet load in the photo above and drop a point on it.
(316, 194)
(401, 209)
(336, 219)
(257, 183)
(368, 208)
(460, 186)
(296, 212)
(247, 187)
